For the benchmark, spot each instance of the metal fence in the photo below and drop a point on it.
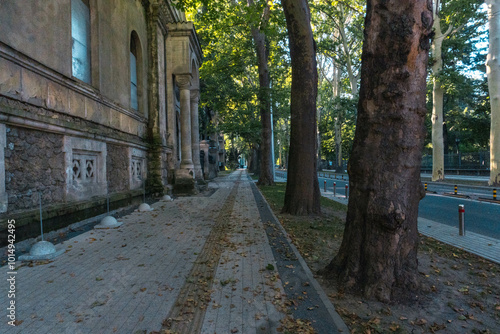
(477, 161)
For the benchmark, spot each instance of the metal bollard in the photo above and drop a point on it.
(456, 189)
(325, 186)
(461, 219)
(346, 192)
(41, 216)
(494, 194)
(425, 186)
(334, 186)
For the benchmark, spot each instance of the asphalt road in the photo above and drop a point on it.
(480, 217)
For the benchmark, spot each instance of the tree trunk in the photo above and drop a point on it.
(338, 142)
(493, 72)
(318, 136)
(302, 194)
(338, 123)
(266, 173)
(378, 254)
(437, 97)
(437, 104)
(253, 161)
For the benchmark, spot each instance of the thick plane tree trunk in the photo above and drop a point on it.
(259, 37)
(302, 194)
(378, 254)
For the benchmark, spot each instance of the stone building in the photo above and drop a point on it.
(214, 156)
(96, 96)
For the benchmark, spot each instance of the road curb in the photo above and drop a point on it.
(341, 326)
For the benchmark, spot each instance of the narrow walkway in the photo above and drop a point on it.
(486, 247)
(203, 264)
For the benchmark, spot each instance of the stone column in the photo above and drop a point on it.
(184, 81)
(184, 177)
(195, 133)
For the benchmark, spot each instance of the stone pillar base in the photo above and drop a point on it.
(198, 173)
(184, 183)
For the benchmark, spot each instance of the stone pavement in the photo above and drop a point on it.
(213, 263)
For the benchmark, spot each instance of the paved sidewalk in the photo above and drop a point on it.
(486, 247)
(203, 264)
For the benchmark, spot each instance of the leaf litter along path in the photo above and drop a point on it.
(251, 282)
(153, 275)
(460, 291)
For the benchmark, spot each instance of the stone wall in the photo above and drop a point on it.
(68, 138)
(34, 161)
(117, 166)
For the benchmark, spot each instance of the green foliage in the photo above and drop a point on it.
(463, 78)
(336, 22)
(331, 107)
(229, 74)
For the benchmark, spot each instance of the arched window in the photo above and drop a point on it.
(135, 70)
(80, 33)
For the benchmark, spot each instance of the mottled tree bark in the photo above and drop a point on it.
(493, 71)
(266, 173)
(302, 189)
(438, 141)
(378, 254)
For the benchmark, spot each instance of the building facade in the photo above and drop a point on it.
(97, 97)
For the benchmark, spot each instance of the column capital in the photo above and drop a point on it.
(183, 81)
(195, 95)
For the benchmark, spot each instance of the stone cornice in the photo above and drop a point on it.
(34, 66)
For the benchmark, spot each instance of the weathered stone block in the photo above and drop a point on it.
(125, 123)
(184, 183)
(95, 112)
(34, 88)
(117, 166)
(114, 118)
(10, 78)
(76, 104)
(57, 97)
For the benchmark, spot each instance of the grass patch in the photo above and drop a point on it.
(275, 196)
(464, 285)
(317, 237)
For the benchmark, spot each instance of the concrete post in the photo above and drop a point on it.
(195, 133)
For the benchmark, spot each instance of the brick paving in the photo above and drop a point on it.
(133, 278)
